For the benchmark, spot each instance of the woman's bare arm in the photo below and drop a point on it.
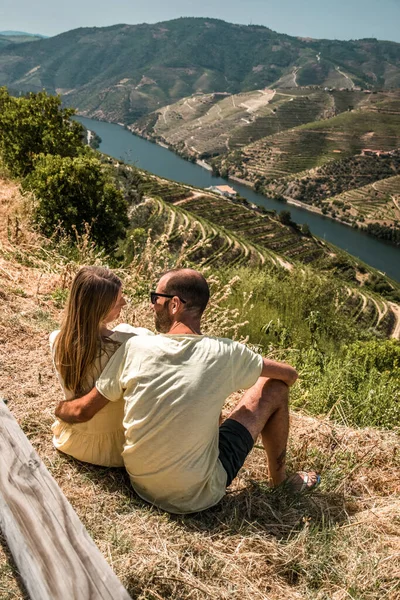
(82, 409)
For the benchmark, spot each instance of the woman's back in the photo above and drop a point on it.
(99, 441)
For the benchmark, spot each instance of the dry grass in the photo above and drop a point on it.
(342, 542)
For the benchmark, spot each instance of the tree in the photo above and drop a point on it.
(35, 124)
(285, 217)
(258, 185)
(72, 191)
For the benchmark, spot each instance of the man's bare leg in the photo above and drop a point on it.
(264, 409)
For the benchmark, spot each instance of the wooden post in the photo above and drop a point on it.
(55, 556)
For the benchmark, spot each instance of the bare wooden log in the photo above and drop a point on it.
(55, 556)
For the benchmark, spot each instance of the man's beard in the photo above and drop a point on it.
(163, 320)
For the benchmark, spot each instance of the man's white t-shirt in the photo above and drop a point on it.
(174, 387)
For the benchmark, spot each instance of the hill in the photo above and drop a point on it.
(361, 191)
(122, 72)
(314, 144)
(17, 37)
(24, 33)
(205, 125)
(343, 540)
(313, 163)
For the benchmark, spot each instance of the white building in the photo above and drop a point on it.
(224, 190)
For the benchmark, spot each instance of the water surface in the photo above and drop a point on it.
(121, 144)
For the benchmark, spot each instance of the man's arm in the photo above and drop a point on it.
(279, 370)
(82, 409)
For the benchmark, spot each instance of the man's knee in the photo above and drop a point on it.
(275, 391)
(260, 403)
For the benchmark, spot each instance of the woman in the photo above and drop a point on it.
(81, 350)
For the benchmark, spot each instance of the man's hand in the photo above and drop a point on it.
(82, 409)
(279, 370)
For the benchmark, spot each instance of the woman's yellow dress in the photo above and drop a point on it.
(99, 441)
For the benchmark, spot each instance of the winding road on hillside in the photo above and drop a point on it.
(186, 103)
(352, 85)
(381, 312)
(396, 310)
(171, 224)
(395, 202)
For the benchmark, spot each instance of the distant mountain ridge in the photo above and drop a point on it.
(10, 38)
(122, 72)
(23, 33)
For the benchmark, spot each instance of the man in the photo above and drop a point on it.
(174, 386)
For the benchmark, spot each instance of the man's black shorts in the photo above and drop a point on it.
(235, 442)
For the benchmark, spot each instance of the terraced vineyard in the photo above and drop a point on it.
(370, 310)
(205, 242)
(253, 224)
(337, 177)
(288, 110)
(313, 145)
(376, 202)
(205, 125)
(256, 227)
(246, 239)
(389, 103)
(217, 231)
(210, 124)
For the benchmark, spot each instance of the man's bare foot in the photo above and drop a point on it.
(303, 481)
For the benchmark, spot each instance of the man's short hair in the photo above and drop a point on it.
(191, 286)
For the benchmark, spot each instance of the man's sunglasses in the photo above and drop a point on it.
(155, 295)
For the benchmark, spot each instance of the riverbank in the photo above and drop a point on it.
(250, 185)
(204, 165)
(119, 143)
(288, 200)
(314, 209)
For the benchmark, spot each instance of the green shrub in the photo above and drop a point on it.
(35, 124)
(73, 191)
(383, 356)
(285, 217)
(293, 304)
(359, 385)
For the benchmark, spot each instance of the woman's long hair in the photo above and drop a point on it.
(93, 293)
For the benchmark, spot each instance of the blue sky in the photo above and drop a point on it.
(335, 19)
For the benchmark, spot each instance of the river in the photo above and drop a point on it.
(123, 145)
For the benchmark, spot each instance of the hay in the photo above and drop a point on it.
(341, 542)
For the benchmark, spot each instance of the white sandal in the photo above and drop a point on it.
(305, 486)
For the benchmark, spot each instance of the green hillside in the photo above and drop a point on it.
(339, 176)
(313, 145)
(250, 240)
(17, 37)
(377, 203)
(208, 125)
(360, 190)
(205, 125)
(231, 233)
(122, 72)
